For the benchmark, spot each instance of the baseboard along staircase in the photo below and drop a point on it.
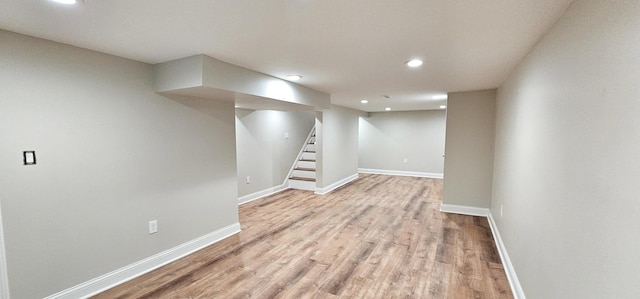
(303, 174)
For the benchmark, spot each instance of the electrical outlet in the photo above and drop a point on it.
(501, 208)
(286, 135)
(153, 226)
(248, 179)
(406, 160)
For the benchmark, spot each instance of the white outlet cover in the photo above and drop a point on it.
(153, 226)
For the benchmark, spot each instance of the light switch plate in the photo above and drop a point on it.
(29, 157)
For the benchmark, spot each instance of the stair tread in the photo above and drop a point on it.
(305, 169)
(309, 151)
(297, 178)
(307, 160)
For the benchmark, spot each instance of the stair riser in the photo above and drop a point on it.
(304, 174)
(306, 164)
(310, 148)
(302, 185)
(308, 156)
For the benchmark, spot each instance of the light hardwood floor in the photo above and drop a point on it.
(378, 237)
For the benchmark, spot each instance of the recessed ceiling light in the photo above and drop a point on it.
(294, 77)
(440, 97)
(237, 106)
(364, 101)
(387, 109)
(414, 63)
(443, 106)
(65, 1)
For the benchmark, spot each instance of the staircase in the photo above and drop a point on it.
(303, 174)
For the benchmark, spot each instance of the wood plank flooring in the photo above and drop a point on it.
(378, 237)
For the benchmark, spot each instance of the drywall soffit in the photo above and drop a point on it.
(208, 78)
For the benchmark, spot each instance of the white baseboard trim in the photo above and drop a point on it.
(4, 276)
(336, 185)
(262, 193)
(464, 210)
(514, 283)
(109, 280)
(402, 173)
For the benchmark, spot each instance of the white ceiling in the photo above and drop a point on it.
(352, 49)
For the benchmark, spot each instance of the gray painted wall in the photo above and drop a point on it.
(263, 152)
(468, 165)
(387, 138)
(112, 155)
(566, 156)
(337, 132)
